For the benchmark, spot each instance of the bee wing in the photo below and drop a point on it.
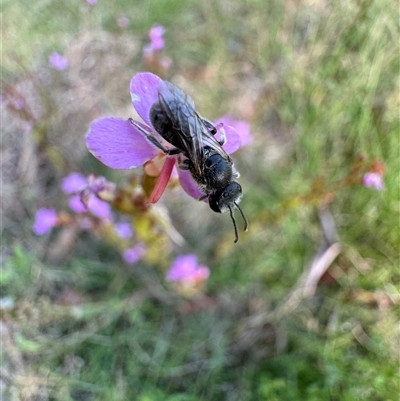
(186, 123)
(192, 131)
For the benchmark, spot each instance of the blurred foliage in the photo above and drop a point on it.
(318, 81)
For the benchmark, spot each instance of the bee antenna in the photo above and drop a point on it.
(234, 224)
(246, 223)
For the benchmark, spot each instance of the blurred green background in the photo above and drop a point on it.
(318, 82)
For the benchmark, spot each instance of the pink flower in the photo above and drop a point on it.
(156, 34)
(45, 220)
(186, 270)
(120, 145)
(373, 180)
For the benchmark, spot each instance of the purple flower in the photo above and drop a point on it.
(156, 34)
(73, 183)
(45, 220)
(123, 230)
(75, 203)
(84, 198)
(186, 270)
(120, 145)
(100, 184)
(99, 208)
(91, 2)
(134, 254)
(58, 62)
(373, 180)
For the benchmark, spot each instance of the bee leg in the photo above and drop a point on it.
(154, 140)
(210, 126)
(222, 140)
(213, 130)
(184, 165)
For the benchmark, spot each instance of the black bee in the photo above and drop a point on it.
(174, 117)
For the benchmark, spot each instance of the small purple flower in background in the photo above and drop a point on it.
(73, 183)
(373, 180)
(76, 184)
(134, 254)
(157, 42)
(107, 136)
(45, 220)
(58, 62)
(76, 205)
(100, 184)
(152, 52)
(122, 21)
(186, 270)
(99, 208)
(156, 34)
(91, 2)
(123, 230)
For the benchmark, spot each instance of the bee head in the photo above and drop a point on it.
(226, 199)
(221, 200)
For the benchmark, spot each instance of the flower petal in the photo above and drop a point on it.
(99, 208)
(118, 144)
(183, 267)
(134, 254)
(163, 180)
(123, 230)
(144, 93)
(233, 141)
(202, 273)
(73, 182)
(189, 184)
(58, 61)
(75, 203)
(241, 127)
(156, 34)
(373, 180)
(45, 220)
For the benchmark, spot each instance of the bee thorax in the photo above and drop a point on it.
(218, 172)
